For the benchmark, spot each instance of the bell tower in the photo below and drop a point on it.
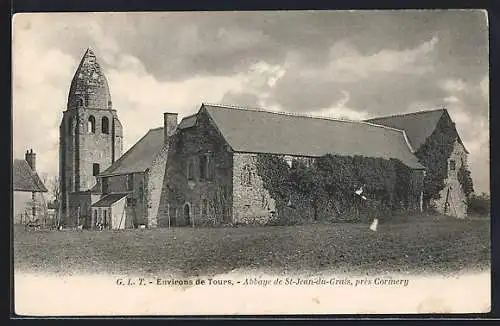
(90, 134)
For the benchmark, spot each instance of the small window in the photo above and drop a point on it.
(91, 125)
(95, 169)
(105, 125)
(204, 207)
(130, 182)
(210, 166)
(80, 102)
(452, 165)
(202, 162)
(130, 201)
(105, 185)
(189, 169)
(246, 176)
(105, 217)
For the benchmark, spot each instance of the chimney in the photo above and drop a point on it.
(30, 157)
(169, 125)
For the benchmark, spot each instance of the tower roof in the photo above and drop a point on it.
(89, 87)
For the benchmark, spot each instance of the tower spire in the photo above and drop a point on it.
(89, 87)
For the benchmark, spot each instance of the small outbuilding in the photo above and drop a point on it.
(109, 213)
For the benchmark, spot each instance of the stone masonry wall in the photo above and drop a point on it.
(95, 147)
(251, 201)
(179, 192)
(136, 207)
(79, 150)
(453, 189)
(155, 176)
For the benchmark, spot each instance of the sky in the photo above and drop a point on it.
(340, 64)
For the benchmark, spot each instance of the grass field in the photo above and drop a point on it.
(433, 245)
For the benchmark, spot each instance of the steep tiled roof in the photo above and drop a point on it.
(417, 125)
(260, 131)
(108, 200)
(140, 156)
(25, 179)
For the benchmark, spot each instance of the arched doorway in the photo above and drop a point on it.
(187, 214)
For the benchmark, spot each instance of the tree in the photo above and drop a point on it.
(55, 192)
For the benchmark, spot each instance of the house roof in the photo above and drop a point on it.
(140, 156)
(188, 121)
(25, 179)
(260, 131)
(108, 200)
(417, 125)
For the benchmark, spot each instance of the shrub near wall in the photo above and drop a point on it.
(325, 190)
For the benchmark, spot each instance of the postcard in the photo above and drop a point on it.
(251, 163)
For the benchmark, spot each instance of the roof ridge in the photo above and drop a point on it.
(299, 115)
(408, 113)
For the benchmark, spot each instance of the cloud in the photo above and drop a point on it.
(473, 128)
(348, 65)
(141, 99)
(485, 87)
(342, 64)
(339, 110)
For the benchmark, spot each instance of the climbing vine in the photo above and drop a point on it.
(327, 187)
(434, 156)
(465, 180)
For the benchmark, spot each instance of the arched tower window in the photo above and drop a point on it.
(80, 102)
(105, 125)
(91, 125)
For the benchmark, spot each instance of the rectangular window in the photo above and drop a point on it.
(104, 185)
(130, 182)
(190, 168)
(452, 165)
(130, 202)
(202, 162)
(210, 166)
(95, 169)
(204, 207)
(105, 217)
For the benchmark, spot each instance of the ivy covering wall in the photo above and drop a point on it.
(434, 155)
(325, 189)
(465, 180)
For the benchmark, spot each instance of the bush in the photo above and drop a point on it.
(479, 205)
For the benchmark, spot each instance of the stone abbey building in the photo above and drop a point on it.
(200, 170)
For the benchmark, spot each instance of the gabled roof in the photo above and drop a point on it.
(108, 200)
(260, 131)
(417, 125)
(25, 179)
(140, 156)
